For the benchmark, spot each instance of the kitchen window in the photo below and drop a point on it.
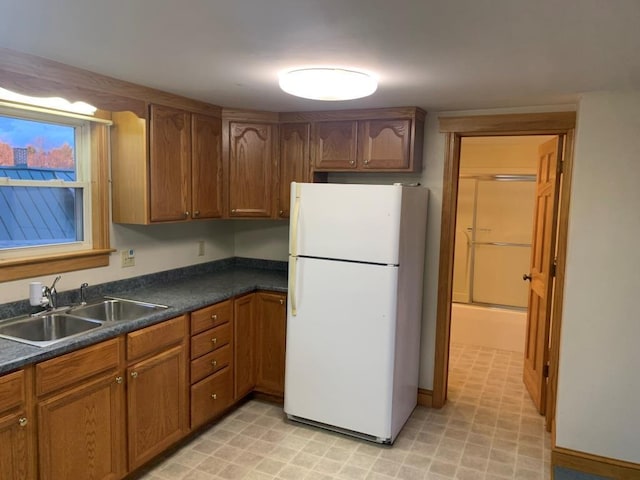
(52, 192)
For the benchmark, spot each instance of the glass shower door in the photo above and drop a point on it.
(502, 241)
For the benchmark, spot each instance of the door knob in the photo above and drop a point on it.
(526, 277)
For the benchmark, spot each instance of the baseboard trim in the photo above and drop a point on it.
(425, 397)
(594, 464)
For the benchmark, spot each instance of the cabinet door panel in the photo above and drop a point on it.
(169, 164)
(294, 161)
(384, 144)
(270, 342)
(210, 397)
(244, 345)
(251, 169)
(15, 462)
(157, 404)
(81, 432)
(335, 145)
(206, 166)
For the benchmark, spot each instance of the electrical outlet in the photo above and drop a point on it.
(128, 258)
(201, 248)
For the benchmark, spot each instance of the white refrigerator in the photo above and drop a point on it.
(356, 261)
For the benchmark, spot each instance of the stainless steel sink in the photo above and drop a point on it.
(44, 330)
(116, 310)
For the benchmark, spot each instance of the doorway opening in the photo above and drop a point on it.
(546, 273)
(492, 253)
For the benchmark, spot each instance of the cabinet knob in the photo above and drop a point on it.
(214, 316)
(186, 214)
(22, 421)
(134, 374)
(119, 379)
(196, 213)
(233, 210)
(281, 212)
(366, 162)
(214, 340)
(214, 363)
(281, 301)
(214, 396)
(352, 162)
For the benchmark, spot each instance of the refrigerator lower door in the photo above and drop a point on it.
(340, 346)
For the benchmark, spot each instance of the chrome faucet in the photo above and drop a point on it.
(51, 294)
(83, 293)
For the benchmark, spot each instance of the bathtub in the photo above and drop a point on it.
(498, 328)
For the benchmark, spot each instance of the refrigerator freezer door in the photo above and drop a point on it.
(340, 345)
(347, 222)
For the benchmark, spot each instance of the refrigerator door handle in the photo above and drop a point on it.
(295, 220)
(292, 285)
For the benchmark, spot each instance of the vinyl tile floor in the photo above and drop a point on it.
(488, 430)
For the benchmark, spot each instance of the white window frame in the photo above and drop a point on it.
(82, 153)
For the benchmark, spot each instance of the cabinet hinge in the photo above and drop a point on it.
(561, 166)
(545, 371)
(554, 267)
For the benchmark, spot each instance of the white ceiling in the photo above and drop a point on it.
(436, 54)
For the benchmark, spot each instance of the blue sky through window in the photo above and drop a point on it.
(18, 132)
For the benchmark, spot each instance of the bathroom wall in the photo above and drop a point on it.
(504, 213)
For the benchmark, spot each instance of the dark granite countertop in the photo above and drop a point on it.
(184, 291)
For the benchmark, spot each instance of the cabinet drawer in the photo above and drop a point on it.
(210, 363)
(210, 317)
(155, 337)
(68, 369)
(210, 397)
(11, 391)
(210, 340)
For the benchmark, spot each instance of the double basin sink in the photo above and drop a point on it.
(47, 328)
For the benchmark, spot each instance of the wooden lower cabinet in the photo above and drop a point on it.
(211, 362)
(81, 431)
(244, 345)
(211, 396)
(17, 428)
(81, 428)
(271, 325)
(157, 404)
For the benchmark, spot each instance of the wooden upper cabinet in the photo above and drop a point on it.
(384, 144)
(251, 169)
(167, 167)
(335, 145)
(206, 166)
(294, 161)
(385, 139)
(169, 164)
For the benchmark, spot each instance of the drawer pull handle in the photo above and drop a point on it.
(214, 340)
(214, 396)
(214, 316)
(134, 374)
(118, 379)
(22, 421)
(214, 363)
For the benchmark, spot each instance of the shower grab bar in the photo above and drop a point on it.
(502, 244)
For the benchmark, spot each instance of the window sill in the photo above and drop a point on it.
(15, 269)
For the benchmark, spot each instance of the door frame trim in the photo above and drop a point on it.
(455, 128)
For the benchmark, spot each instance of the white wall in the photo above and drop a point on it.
(266, 239)
(599, 388)
(157, 248)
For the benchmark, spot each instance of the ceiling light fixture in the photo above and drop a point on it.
(56, 103)
(328, 84)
